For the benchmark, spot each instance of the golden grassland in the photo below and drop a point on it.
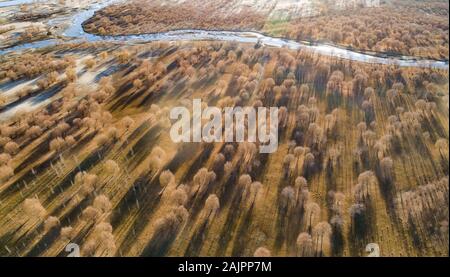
(362, 157)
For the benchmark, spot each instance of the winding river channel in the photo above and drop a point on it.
(76, 33)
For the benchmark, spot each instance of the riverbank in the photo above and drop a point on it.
(75, 32)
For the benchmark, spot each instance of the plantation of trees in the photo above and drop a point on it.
(363, 154)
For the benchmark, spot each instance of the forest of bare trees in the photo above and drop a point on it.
(152, 17)
(400, 27)
(404, 28)
(362, 156)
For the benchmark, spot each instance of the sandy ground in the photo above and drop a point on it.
(66, 7)
(16, 28)
(60, 13)
(85, 80)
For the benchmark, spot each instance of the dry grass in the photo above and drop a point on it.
(145, 219)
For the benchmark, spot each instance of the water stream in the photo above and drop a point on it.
(75, 32)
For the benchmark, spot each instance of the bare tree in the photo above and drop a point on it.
(102, 204)
(111, 167)
(5, 159)
(305, 245)
(71, 74)
(312, 213)
(127, 122)
(33, 208)
(11, 148)
(166, 178)
(101, 241)
(179, 196)
(90, 214)
(322, 231)
(6, 172)
(211, 207)
(287, 199)
(442, 146)
(158, 157)
(50, 223)
(386, 167)
(262, 252)
(67, 233)
(202, 180)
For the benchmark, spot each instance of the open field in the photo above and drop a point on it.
(363, 154)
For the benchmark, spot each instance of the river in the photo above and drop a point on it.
(76, 33)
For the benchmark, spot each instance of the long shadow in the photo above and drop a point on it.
(295, 221)
(414, 231)
(196, 241)
(78, 239)
(179, 89)
(226, 191)
(90, 161)
(129, 69)
(108, 72)
(128, 201)
(82, 141)
(160, 242)
(242, 234)
(73, 214)
(43, 148)
(12, 84)
(4, 240)
(135, 134)
(44, 242)
(229, 225)
(37, 153)
(142, 217)
(125, 102)
(281, 225)
(337, 245)
(150, 54)
(198, 163)
(118, 96)
(196, 204)
(152, 96)
(361, 230)
(35, 97)
(142, 148)
(122, 90)
(184, 153)
(27, 237)
(28, 177)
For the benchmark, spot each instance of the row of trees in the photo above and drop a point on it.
(425, 209)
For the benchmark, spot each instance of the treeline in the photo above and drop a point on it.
(407, 29)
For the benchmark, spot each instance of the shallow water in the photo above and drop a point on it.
(30, 45)
(17, 2)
